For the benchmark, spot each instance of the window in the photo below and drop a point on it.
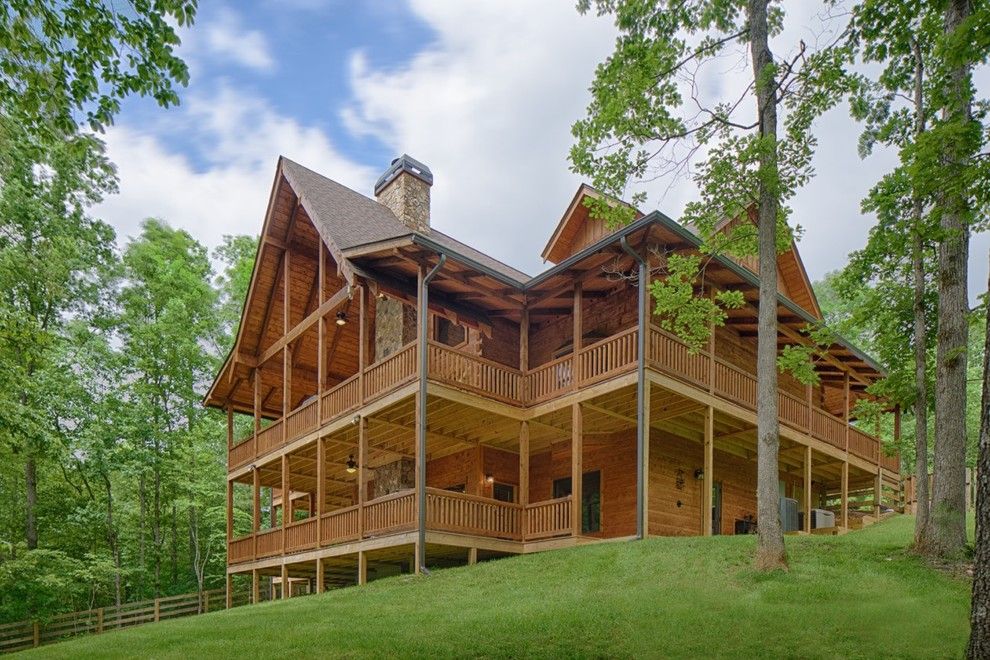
(459, 488)
(591, 500)
(449, 333)
(504, 492)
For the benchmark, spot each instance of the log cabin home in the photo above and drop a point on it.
(397, 400)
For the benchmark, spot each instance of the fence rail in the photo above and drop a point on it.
(22, 635)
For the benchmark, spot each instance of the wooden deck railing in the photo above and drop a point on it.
(340, 526)
(596, 362)
(390, 514)
(471, 514)
(548, 519)
(300, 535)
(240, 549)
(269, 542)
(385, 375)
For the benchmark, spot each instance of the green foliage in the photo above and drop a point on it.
(66, 62)
(680, 311)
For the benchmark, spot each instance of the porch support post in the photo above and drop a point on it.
(524, 474)
(577, 468)
(256, 512)
(472, 556)
(362, 487)
(423, 318)
(846, 411)
(709, 468)
(286, 589)
(362, 567)
(230, 510)
(228, 592)
(321, 475)
(362, 339)
(877, 493)
(286, 497)
(645, 493)
(524, 352)
(230, 427)
(255, 592)
(807, 489)
(321, 336)
(578, 331)
(256, 377)
(320, 573)
(642, 414)
(844, 517)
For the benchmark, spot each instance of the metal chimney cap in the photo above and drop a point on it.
(404, 163)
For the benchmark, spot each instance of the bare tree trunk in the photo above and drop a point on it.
(947, 525)
(156, 528)
(771, 553)
(979, 635)
(31, 500)
(920, 330)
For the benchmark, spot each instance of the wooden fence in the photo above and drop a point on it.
(28, 634)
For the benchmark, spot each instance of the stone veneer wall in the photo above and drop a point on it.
(393, 477)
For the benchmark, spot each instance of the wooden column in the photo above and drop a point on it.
(472, 556)
(321, 340)
(524, 474)
(363, 567)
(846, 414)
(807, 488)
(256, 376)
(807, 393)
(362, 339)
(230, 510)
(286, 387)
(255, 591)
(362, 486)
(320, 575)
(321, 476)
(524, 352)
(256, 513)
(711, 357)
(578, 331)
(286, 497)
(877, 493)
(577, 466)
(419, 458)
(646, 457)
(707, 472)
(844, 513)
(286, 588)
(230, 427)
(228, 596)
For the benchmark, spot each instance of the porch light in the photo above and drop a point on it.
(351, 465)
(699, 473)
(489, 479)
(341, 318)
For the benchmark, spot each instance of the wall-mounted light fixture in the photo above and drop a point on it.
(699, 473)
(341, 318)
(356, 420)
(489, 479)
(352, 465)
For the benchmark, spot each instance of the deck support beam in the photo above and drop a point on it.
(707, 472)
(286, 587)
(524, 474)
(844, 512)
(362, 567)
(320, 575)
(255, 591)
(577, 467)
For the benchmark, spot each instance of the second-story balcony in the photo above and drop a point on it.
(597, 362)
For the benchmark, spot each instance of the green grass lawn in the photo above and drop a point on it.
(854, 596)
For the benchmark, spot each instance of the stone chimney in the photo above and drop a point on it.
(405, 189)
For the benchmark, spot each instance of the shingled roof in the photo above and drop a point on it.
(351, 219)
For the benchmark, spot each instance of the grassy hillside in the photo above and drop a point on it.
(857, 595)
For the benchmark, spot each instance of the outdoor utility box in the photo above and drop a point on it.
(821, 518)
(789, 514)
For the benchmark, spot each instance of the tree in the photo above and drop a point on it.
(52, 256)
(979, 638)
(648, 119)
(71, 60)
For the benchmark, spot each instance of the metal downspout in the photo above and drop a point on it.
(421, 426)
(641, 423)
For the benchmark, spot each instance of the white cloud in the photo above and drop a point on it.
(221, 35)
(489, 106)
(241, 137)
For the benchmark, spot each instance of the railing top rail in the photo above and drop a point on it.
(552, 363)
(600, 342)
(474, 358)
(391, 496)
(303, 521)
(341, 511)
(557, 500)
(388, 358)
(440, 492)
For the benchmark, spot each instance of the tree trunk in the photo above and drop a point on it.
(771, 553)
(920, 330)
(174, 544)
(979, 635)
(142, 521)
(947, 524)
(156, 529)
(113, 541)
(31, 500)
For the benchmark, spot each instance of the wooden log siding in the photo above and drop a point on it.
(548, 519)
(391, 513)
(385, 375)
(340, 526)
(472, 514)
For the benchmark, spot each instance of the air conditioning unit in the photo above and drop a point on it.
(821, 518)
(789, 514)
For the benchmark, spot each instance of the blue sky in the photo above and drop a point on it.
(483, 92)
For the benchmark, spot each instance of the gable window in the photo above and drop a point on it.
(591, 500)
